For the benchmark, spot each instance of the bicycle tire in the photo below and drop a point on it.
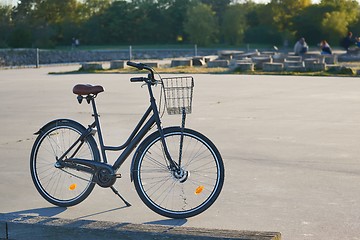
(171, 195)
(63, 187)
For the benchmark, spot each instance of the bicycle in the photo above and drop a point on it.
(177, 172)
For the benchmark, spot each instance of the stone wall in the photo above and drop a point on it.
(32, 57)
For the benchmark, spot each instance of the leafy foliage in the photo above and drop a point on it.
(50, 23)
(201, 25)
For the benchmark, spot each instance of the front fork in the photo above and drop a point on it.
(175, 167)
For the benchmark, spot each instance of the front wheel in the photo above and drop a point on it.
(191, 189)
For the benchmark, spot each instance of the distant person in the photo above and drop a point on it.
(301, 47)
(77, 42)
(357, 42)
(347, 41)
(325, 47)
(73, 43)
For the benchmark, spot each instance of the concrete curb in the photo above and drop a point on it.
(15, 226)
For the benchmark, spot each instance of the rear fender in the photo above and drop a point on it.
(57, 122)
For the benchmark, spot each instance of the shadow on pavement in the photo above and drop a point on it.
(168, 222)
(44, 212)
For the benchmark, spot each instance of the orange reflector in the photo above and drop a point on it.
(72, 186)
(199, 189)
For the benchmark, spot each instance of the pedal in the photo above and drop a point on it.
(118, 175)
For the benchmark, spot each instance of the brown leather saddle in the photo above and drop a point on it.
(87, 89)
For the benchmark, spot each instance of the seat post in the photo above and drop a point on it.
(98, 128)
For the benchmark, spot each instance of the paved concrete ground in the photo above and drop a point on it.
(290, 146)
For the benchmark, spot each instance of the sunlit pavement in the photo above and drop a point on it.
(290, 146)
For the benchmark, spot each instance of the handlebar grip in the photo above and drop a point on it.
(139, 66)
(138, 79)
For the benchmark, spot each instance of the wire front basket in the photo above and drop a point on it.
(178, 93)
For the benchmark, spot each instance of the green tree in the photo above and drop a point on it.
(283, 12)
(355, 26)
(201, 25)
(113, 25)
(329, 20)
(218, 6)
(342, 15)
(90, 8)
(261, 27)
(174, 18)
(5, 25)
(45, 21)
(234, 23)
(307, 24)
(20, 36)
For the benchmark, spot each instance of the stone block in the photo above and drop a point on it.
(218, 63)
(116, 64)
(331, 59)
(295, 69)
(244, 67)
(353, 51)
(210, 58)
(91, 66)
(333, 68)
(228, 54)
(296, 64)
(315, 67)
(293, 58)
(225, 55)
(246, 55)
(198, 61)
(181, 63)
(260, 60)
(311, 55)
(267, 53)
(233, 63)
(279, 58)
(328, 58)
(309, 62)
(237, 54)
(341, 70)
(273, 67)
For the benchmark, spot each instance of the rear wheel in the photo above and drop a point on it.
(186, 192)
(60, 185)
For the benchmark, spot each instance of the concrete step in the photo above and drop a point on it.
(16, 226)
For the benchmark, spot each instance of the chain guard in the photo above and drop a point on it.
(105, 177)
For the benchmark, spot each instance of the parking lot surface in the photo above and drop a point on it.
(290, 145)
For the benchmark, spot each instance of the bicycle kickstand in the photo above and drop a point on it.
(118, 194)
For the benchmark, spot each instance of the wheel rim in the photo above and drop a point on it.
(186, 191)
(61, 185)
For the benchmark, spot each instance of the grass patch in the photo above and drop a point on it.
(165, 70)
(349, 70)
(166, 46)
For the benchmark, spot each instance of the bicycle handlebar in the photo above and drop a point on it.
(141, 66)
(138, 79)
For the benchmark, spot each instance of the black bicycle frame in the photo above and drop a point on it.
(141, 129)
